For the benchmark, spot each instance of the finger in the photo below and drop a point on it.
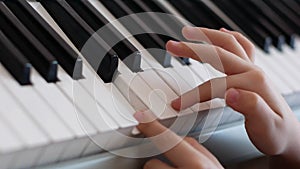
(163, 137)
(245, 43)
(157, 164)
(250, 104)
(214, 88)
(219, 58)
(215, 37)
(195, 144)
(253, 81)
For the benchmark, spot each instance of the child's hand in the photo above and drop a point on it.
(187, 154)
(270, 123)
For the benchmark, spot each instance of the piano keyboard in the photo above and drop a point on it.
(58, 98)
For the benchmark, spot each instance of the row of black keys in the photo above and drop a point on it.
(266, 22)
(28, 39)
(79, 20)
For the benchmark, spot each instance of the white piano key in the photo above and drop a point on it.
(72, 117)
(174, 81)
(89, 110)
(297, 48)
(6, 160)
(291, 55)
(67, 113)
(9, 141)
(282, 73)
(82, 125)
(51, 153)
(283, 63)
(278, 83)
(186, 73)
(128, 81)
(26, 128)
(27, 158)
(42, 113)
(35, 140)
(150, 76)
(200, 69)
(39, 110)
(110, 98)
(73, 151)
(92, 148)
(55, 99)
(89, 107)
(166, 79)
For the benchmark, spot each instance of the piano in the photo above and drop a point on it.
(72, 73)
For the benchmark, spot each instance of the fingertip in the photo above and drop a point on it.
(172, 43)
(138, 116)
(176, 104)
(224, 30)
(187, 29)
(188, 32)
(232, 96)
(174, 47)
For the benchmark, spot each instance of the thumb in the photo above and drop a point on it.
(250, 104)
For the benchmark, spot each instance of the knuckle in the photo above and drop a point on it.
(231, 38)
(219, 50)
(254, 99)
(259, 76)
(237, 34)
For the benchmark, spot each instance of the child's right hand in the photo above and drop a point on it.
(270, 123)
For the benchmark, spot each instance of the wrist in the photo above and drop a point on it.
(290, 158)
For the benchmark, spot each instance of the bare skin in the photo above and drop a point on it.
(270, 123)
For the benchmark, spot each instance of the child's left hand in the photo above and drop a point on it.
(187, 154)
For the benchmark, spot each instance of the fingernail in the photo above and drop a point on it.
(176, 103)
(225, 30)
(189, 28)
(232, 96)
(175, 43)
(139, 116)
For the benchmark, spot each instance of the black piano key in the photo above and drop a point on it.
(292, 5)
(65, 55)
(285, 13)
(153, 23)
(217, 21)
(256, 19)
(174, 23)
(26, 42)
(188, 13)
(79, 33)
(151, 40)
(260, 37)
(125, 50)
(172, 30)
(148, 40)
(265, 11)
(153, 5)
(108, 68)
(14, 61)
(194, 12)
